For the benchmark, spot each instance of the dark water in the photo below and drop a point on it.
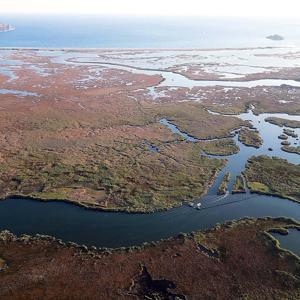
(72, 223)
(291, 241)
(146, 32)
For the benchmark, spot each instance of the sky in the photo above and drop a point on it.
(269, 8)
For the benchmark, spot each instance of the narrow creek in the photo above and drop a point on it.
(236, 162)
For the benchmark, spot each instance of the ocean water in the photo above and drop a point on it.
(146, 32)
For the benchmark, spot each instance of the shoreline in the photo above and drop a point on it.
(274, 195)
(112, 210)
(132, 212)
(44, 237)
(142, 49)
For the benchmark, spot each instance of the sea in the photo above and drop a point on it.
(68, 31)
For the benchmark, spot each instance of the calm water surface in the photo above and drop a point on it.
(291, 241)
(146, 32)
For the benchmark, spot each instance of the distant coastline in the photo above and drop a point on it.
(6, 27)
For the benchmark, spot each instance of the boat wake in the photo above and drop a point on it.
(219, 198)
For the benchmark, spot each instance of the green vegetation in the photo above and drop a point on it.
(121, 177)
(250, 138)
(193, 118)
(219, 147)
(224, 184)
(259, 187)
(291, 149)
(283, 122)
(273, 176)
(239, 185)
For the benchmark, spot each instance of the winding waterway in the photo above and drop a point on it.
(73, 223)
(107, 229)
(172, 79)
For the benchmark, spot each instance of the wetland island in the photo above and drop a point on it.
(149, 174)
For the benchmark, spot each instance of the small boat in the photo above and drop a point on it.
(198, 205)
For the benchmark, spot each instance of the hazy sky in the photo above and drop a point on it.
(284, 8)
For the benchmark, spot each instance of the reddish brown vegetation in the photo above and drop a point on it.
(217, 264)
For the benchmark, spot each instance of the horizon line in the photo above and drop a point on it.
(43, 13)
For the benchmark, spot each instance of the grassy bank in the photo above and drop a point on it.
(273, 176)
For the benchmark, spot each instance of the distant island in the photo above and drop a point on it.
(6, 27)
(275, 37)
